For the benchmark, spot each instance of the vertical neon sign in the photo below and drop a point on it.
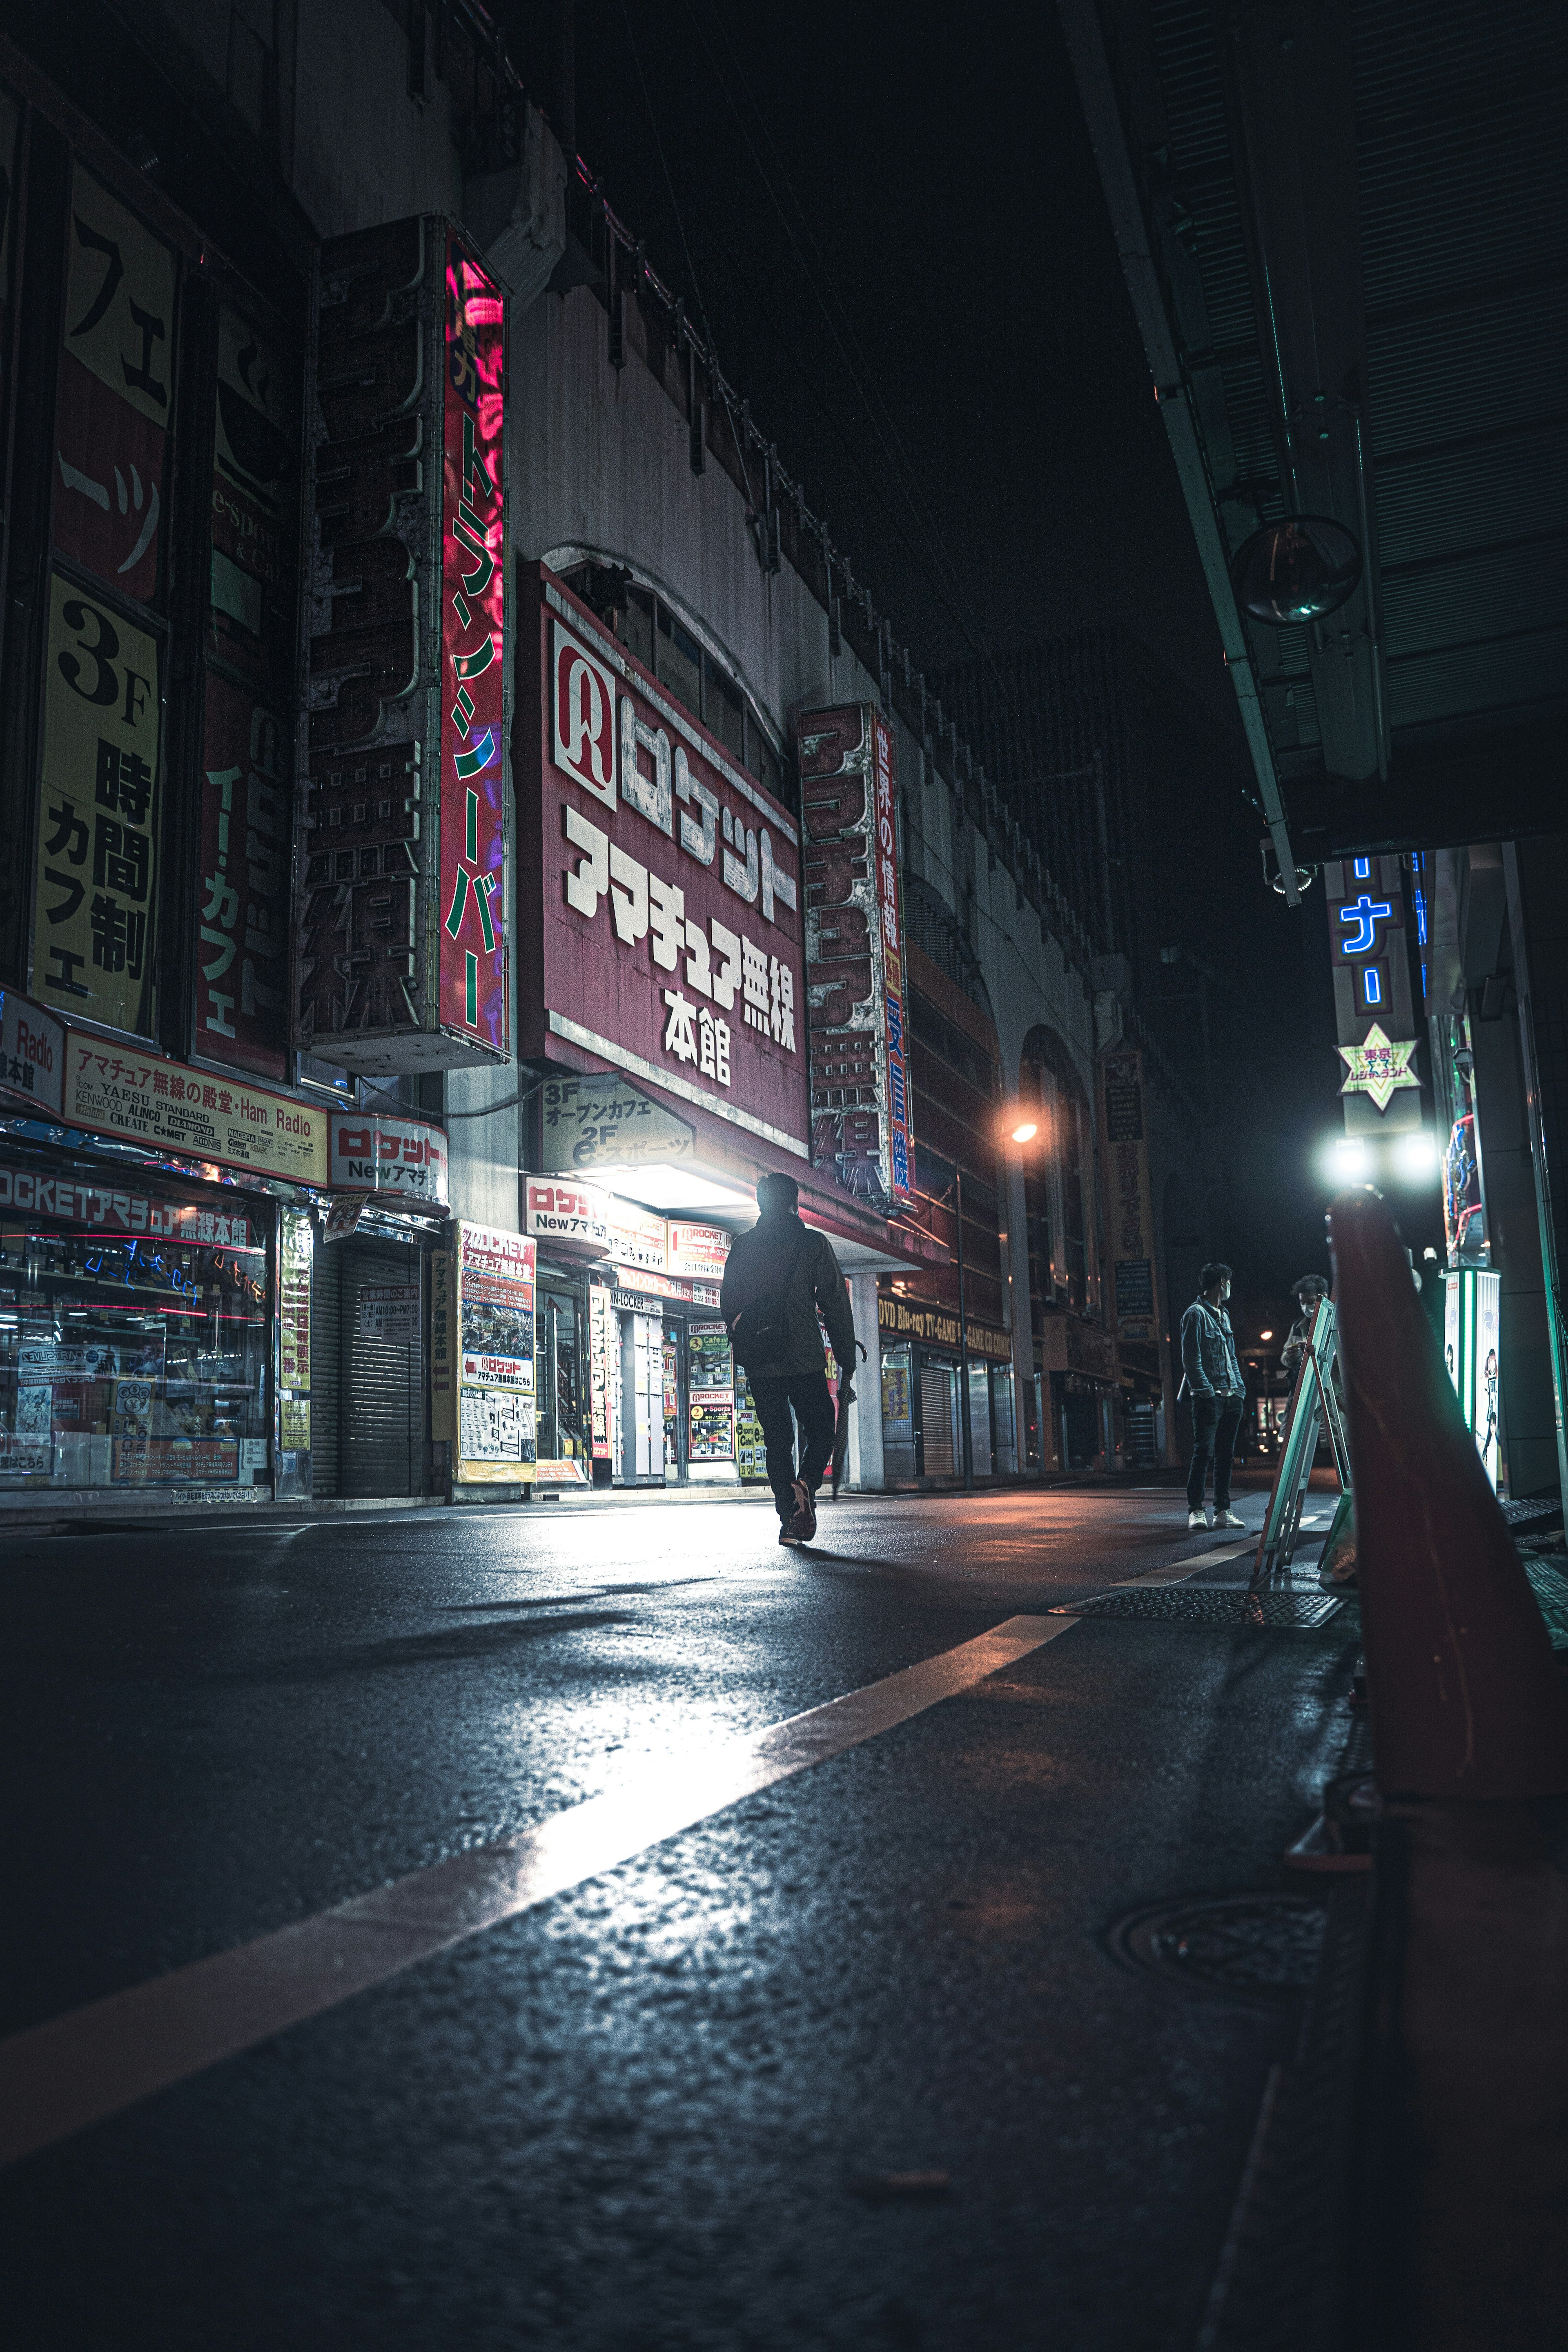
(474, 993)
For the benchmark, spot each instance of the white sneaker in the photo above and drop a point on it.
(1227, 1520)
(1195, 1519)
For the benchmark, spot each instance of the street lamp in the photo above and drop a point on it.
(1027, 1131)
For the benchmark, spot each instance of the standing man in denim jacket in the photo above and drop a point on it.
(1219, 1393)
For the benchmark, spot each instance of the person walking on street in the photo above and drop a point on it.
(776, 1278)
(1219, 1392)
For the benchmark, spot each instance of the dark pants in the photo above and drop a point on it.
(808, 1392)
(1215, 1421)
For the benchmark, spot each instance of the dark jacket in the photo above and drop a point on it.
(1208, 1352)
(758, 1262)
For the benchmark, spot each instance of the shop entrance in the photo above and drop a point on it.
(367, 1388)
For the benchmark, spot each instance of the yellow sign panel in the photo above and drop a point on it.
(94, 891)
(120, 301)
(149, 1100)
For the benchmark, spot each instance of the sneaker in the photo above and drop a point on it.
(805, 1520)
(1227, 1520)
(789, 1533)
(1195, 1519)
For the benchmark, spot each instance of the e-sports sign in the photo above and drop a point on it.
(670, 943)
(403, 954)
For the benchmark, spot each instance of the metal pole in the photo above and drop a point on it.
(963, 1347)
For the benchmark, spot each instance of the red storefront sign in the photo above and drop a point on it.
(862, 1123)
(473, 564)
(666, 935)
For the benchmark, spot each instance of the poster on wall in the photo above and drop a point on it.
(604, 1352)
(670, 943)
(494, 1347)
(388, 1312)
(861, 1104)
(751, 1449)
(713, 1428)
(95, 886)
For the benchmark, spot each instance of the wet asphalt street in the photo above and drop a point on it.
(851, 2061)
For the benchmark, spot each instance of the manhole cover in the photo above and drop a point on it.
(1253, 1947)
(1207, 1605)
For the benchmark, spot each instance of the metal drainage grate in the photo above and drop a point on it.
(1253, 1947)
(1207, 1605)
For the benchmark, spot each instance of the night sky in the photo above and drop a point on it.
(895, 232)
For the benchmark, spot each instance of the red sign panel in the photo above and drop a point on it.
(670, 937)
(473, 580)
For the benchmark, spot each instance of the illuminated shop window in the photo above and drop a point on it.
(133, 1336)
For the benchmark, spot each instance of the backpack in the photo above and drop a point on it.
(762, 1327)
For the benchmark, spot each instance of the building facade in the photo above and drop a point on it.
(470, 824)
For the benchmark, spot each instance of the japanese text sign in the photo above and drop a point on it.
(670, 943)
(136, 1096)
(403, 959)
(95, 888)
(378, 1154)
(115, 409)
(32, 1052)
(862, 1110)
(473, 563)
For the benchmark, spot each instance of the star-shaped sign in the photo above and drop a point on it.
(1378, 1067)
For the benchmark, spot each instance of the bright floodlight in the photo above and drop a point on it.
(1027, 1132)
(1266, 1334)
(1415, 1158)
(1347, 1161)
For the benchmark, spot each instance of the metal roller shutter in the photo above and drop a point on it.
(382, 1383)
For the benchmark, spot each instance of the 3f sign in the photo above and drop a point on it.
(584, 697)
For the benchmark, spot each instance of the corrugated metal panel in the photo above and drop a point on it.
(1455, 500)
(1461, 156)
(1493, 593)
(1449, 376)
(1466, 681)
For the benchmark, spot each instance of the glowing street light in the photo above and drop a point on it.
(1347, 1161)
(1027, 1131)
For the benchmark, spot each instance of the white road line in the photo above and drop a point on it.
(91, 2062)
(77, 2070)
(1180, 1567)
